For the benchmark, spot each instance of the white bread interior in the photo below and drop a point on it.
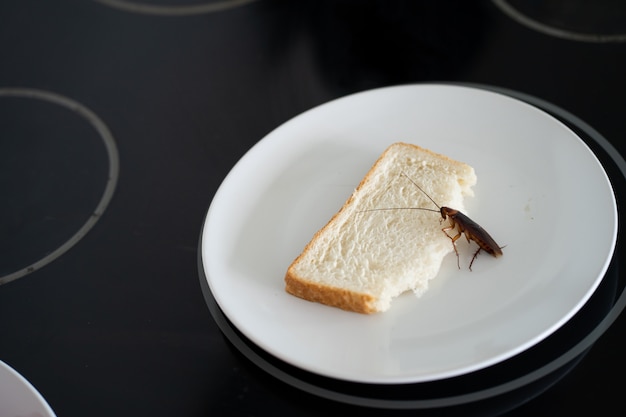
(360, 260)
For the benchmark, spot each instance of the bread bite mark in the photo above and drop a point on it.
(411, 246)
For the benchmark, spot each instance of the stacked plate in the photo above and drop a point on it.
(546, 185)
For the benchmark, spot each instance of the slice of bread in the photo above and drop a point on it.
(363, 258)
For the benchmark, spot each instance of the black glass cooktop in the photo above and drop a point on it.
(118, 122)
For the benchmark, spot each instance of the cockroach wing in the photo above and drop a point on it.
(476, 233)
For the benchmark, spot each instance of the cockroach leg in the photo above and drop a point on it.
(474, 257)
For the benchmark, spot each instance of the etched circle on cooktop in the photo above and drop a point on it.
(578, 20)
(58, 171)
(172, 7)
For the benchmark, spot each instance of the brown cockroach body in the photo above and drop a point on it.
(472, 230)
(463, 225)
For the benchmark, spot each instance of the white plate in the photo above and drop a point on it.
(18, 398)
(540, 192)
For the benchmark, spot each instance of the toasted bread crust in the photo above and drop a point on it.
(335, 297)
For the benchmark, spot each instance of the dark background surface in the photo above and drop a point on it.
(117, 324)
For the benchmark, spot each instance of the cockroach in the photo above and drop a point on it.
(464, 225)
